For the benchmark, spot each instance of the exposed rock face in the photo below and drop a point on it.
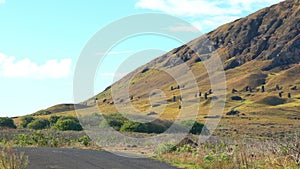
(270, 34)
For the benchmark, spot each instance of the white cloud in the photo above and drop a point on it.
(195, 8)
(25, 68)
(2, 1)
(190, 8)
(213, 22)
(206, 14)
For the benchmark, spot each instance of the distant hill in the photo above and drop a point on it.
(59, 108)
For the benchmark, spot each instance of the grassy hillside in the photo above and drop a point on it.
(260, 57)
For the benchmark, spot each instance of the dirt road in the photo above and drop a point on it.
(59, 158)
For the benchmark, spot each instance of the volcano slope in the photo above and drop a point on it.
(260, 57)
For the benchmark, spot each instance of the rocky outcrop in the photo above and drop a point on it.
(270, 34)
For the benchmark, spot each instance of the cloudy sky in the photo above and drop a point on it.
(40, 42)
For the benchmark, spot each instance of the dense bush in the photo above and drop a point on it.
(7, 122)
(120, 123)
(69, 118)
(115, 121)
(53, 120)
(39, 124)
(26, 120)
(130, 126)
(67, 124)
(195, 127)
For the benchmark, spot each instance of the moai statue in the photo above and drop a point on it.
(289, 95)
(280, 94)
(172, 88)
(277, 87)
(131, 98)
(262, 89)
(180, 98)
(247, 88)
(179, 107)
(200, 94)
(250, 90)
(178, 87)
(210, 91)
(174, 98)
(205, 96)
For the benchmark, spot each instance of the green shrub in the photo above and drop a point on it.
(195, 127)
(39, 124)
(53, 119)
(186, 149)
(7, 122)
(120, 123)
(22, 140)
(69, 118)
(115, 121)
(67, 124)
(85, 140)
(40, 139)
(165, 148)
(26, 120)
(130, 126)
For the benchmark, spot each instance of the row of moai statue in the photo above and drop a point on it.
(206, 94)
(263, 89)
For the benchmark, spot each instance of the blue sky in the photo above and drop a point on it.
(40, 42)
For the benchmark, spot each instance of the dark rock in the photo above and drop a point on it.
(294, 88)
(232, 112)
(187, 141)
(236, 98)
(145, 70)
(234, 91)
